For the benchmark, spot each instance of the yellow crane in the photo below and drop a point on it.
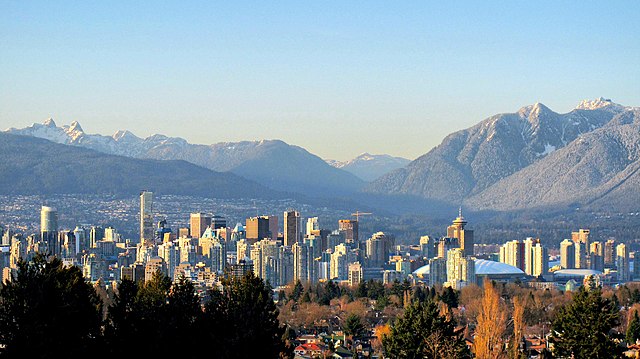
(358, 214)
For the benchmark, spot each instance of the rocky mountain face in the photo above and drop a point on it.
(272, 163)
(370, 167)
(37, 166)
(598, 170)
(493, 154)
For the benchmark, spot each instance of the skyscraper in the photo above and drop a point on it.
(567, 254)
(350, 229)
(622, 263)
(609, 253)
(514, 253)
(147, 231)
(460, 269)
(313, 229)
(596, 256)
(292, 227)
(49, 228)
(198, 223)
(257, 229)
(540, 260)
(464, 236)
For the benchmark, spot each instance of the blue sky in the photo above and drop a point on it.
(336, 77)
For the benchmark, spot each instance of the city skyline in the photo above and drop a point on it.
(400, 77)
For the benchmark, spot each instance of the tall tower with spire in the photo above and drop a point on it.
(464, 236)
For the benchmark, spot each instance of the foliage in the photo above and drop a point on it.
(633, 330)
(492, 322)
(450, 297)
(423, 333)
(583, 328)
(242, 320)
(47, 310)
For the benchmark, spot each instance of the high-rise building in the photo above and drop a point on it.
(257, 229)
(350, 229)
(49, 226)
(313, 228)
(596, 256)
(153, 265)
(444, 244)
(147, 232)
(292, 227)
(437, 271)
(378, 248)
(198, 223)
(540, 260)
(567, 254)
(355, 274)
(610, 253)
(464, 236)
(582, 236)
(460, 269)
(622, 263)
(514, 253)
(300, 261)
(218, 222)
(427, 247)
(581, 257)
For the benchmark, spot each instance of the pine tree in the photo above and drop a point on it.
(423, 333)
(633, 330)
(242, 320)
(48, 310)
(353, 326)
(583, 328)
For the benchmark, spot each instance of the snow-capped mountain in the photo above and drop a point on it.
(468, 162)
(370, 167)
(272, 163)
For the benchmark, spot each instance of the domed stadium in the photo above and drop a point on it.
(491, 270)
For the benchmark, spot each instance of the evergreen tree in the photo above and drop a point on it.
(242, 320)
(48, 310)
(123, 320)
(583, 328)
(633, 331)
(423, 333)
(449, 297)
(297, 290)
(353, 326)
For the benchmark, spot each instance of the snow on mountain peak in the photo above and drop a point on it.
(75, 126)
(598, 103)
(532, 110)
(50, 123)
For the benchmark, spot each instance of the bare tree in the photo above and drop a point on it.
(492, 322)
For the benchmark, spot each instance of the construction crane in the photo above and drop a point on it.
(358, 214)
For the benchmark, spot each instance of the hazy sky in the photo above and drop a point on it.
(336, 77)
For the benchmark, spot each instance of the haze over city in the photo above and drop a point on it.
(336, 78)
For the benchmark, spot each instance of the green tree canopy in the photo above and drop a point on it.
(242, 320)
(633, 331)
(48, 310)
(583, 328)
(423, 333)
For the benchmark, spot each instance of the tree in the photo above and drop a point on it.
(297, 290)
(633, 330)
(242, 320)
(423, 333)
(583, 328)
(353, 326)
(518, 327)
(449, 297)
(48, 310)
(492, 322)
(123, 320)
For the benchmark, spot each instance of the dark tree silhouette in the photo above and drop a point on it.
(423, 333)
(242, 320)
(583, 328)
(48, 310)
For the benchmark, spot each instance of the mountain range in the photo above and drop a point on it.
(271, 163)
(370, 167)
(534, 158)
(37, 166)
(530, 159)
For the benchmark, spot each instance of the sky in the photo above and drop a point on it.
(338, 78)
